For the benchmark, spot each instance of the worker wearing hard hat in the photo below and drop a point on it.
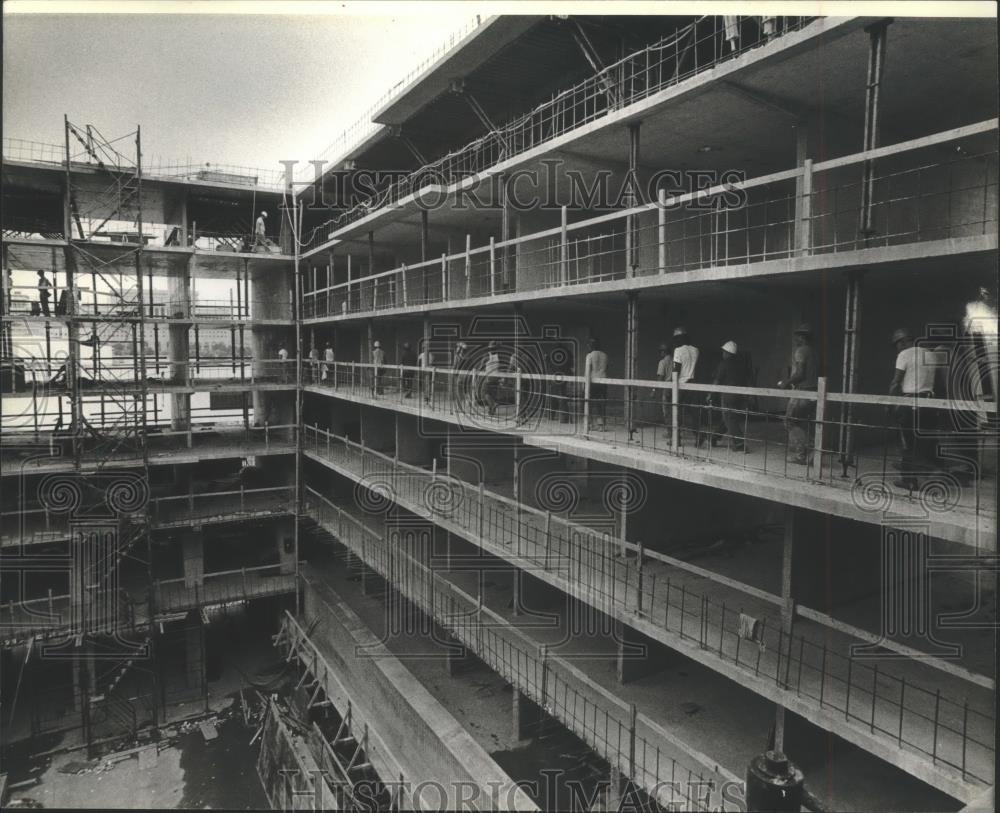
(260, 231)
(378, 367)
(804, 375)
(914, 377)
(732, 418)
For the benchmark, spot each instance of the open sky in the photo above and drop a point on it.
(247, 89)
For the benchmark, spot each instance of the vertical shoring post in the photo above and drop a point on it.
(143, 385)
(631, 201)
(631, 357)
(424, 252)
(76, 408)
(852, 328)
(787, 622)
(876, 64)
(296, 238)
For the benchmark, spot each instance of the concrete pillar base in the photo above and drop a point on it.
(637, 655)
(194, 650)
(526, 717)
(456, 658)
(530, 594)
(193, 552)
(371, 583)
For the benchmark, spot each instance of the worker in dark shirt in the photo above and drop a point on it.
(408, 359)
(729, 419)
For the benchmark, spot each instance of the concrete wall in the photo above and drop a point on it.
(422, 733)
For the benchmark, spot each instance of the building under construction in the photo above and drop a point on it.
(429, 440)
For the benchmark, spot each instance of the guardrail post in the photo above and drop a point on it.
(468, 266)
(820, 416)
(482, 507)
(444, 277)
(545, 674)
(517, 396)
(661, 230)
(638, 580)
(402, 275)
(675, 412)
(586, 399)
(563, 248)
(267, 435)
(548, 537)
(632, 714)
(243, 575)
(493, 280)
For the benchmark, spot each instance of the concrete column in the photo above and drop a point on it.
(285, 543)
(637, 655)
(194, 649)
(371, 583)
(84, 675)
(526, 718)
(178, 351)
(456, 658)
(530, 594)
(193, 552)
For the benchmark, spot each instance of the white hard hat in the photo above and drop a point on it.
(378, 344)
(680, 331)
(730, 347)
(263, 212)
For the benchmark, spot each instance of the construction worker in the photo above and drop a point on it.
(664, 371)
(313, 364)
(44, 292)
(685, 365)
(260, 231)
(800, 412)
(490, 378)
(459, 384)
(328, 359)
(731, 372)
(914, 377)
(596, 366)
(283, 363)
(378, 365)
(425, 380)
(407, 359)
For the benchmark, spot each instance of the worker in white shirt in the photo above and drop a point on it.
(328, 359)
(914, 378)
(260, 231)
(596, 366)
(685, 361)
(283, 363)
(378, 363)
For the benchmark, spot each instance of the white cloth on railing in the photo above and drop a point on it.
(752, 629)
(731, 22)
